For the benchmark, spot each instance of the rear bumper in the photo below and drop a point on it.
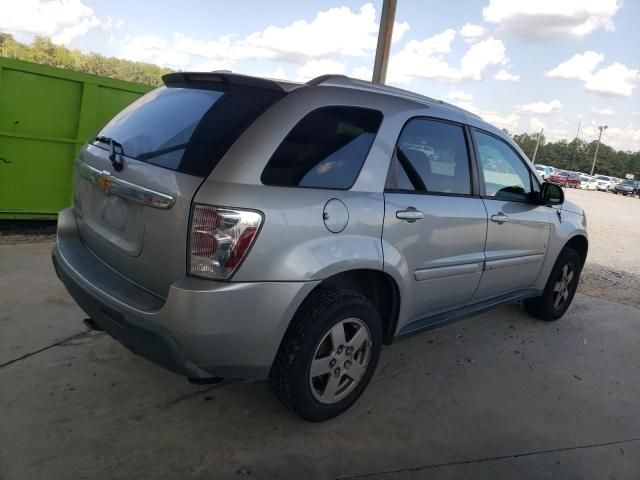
(202, 329)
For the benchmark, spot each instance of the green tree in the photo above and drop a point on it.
(558, 154)
(43, 50)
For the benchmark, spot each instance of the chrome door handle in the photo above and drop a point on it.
(499, 218)
(410, 214)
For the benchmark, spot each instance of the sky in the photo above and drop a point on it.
(522, 65)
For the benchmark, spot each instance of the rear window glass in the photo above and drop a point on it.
(186, 128)
(326, 149)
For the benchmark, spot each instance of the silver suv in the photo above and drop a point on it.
(226, 226)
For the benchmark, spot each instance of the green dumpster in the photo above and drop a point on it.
(46, 114)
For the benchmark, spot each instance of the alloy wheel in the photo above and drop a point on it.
(562, 287)
(340, 360)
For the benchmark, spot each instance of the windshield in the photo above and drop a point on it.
(184, 128)
(602, 177)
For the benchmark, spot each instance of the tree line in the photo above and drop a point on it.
(43, 50)
(577, 155)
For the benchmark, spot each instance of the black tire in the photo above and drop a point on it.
(314, 319)
(544, 307)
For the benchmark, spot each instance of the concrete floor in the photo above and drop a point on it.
(495, 396)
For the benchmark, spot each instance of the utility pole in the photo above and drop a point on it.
(595, 156)
(535, 151)
(575, 144)
(384, 41)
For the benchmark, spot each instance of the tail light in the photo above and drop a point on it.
(219, 240)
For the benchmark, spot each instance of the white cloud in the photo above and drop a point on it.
(181, 53)
(578, 67)
(337, 30)
(67, 35)
(278, 73)
(462, 100)
(315, 68)
(603, 111)
(536, 124)
(471, 32)
(615, 79)
(504, 75)
(555, 134)
(426, 59)
(627, 139)
(508, 121)
(399, 29)
(551, 19)
(110, 24)
(480, 56)
(62, 20)
(363, 73)
(541, 108)
(465, 100)
(331, 35)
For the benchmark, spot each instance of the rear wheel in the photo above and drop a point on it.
(560, 288)
(328, 354)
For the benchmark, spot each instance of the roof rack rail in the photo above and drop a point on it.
(345, 81)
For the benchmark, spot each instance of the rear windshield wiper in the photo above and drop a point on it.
(115, 157)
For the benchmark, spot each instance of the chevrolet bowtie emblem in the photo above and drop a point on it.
(104, 182)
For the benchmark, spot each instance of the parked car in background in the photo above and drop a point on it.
(228, 226)
(566, 179)
(584, 177)
(544, 171)
(605, 183)
(627, 187)
(614, 181)
(590, 184)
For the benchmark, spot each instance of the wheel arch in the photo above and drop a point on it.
(580, 244)
(378, 287)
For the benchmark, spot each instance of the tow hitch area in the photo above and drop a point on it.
(89, 322)
(206, 381)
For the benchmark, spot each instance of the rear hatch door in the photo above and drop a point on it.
(134, 181)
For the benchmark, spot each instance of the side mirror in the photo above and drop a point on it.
(551, 194)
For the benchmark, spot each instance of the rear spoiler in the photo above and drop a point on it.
(230, 78)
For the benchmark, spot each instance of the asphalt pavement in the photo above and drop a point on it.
(499, 395)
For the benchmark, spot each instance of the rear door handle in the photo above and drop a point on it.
(410, 214)
(499, 218)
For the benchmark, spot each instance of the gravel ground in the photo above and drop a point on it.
(612, 271)
(613, 267)
(24, 231)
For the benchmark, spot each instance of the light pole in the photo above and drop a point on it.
(535, 151)
(602, 128)
(384, 41)
(575, 144)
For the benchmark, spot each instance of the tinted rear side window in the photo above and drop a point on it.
(187, 128)
(326, 149)
(433, 157)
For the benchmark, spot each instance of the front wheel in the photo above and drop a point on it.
(560, 288)
(328, 355)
